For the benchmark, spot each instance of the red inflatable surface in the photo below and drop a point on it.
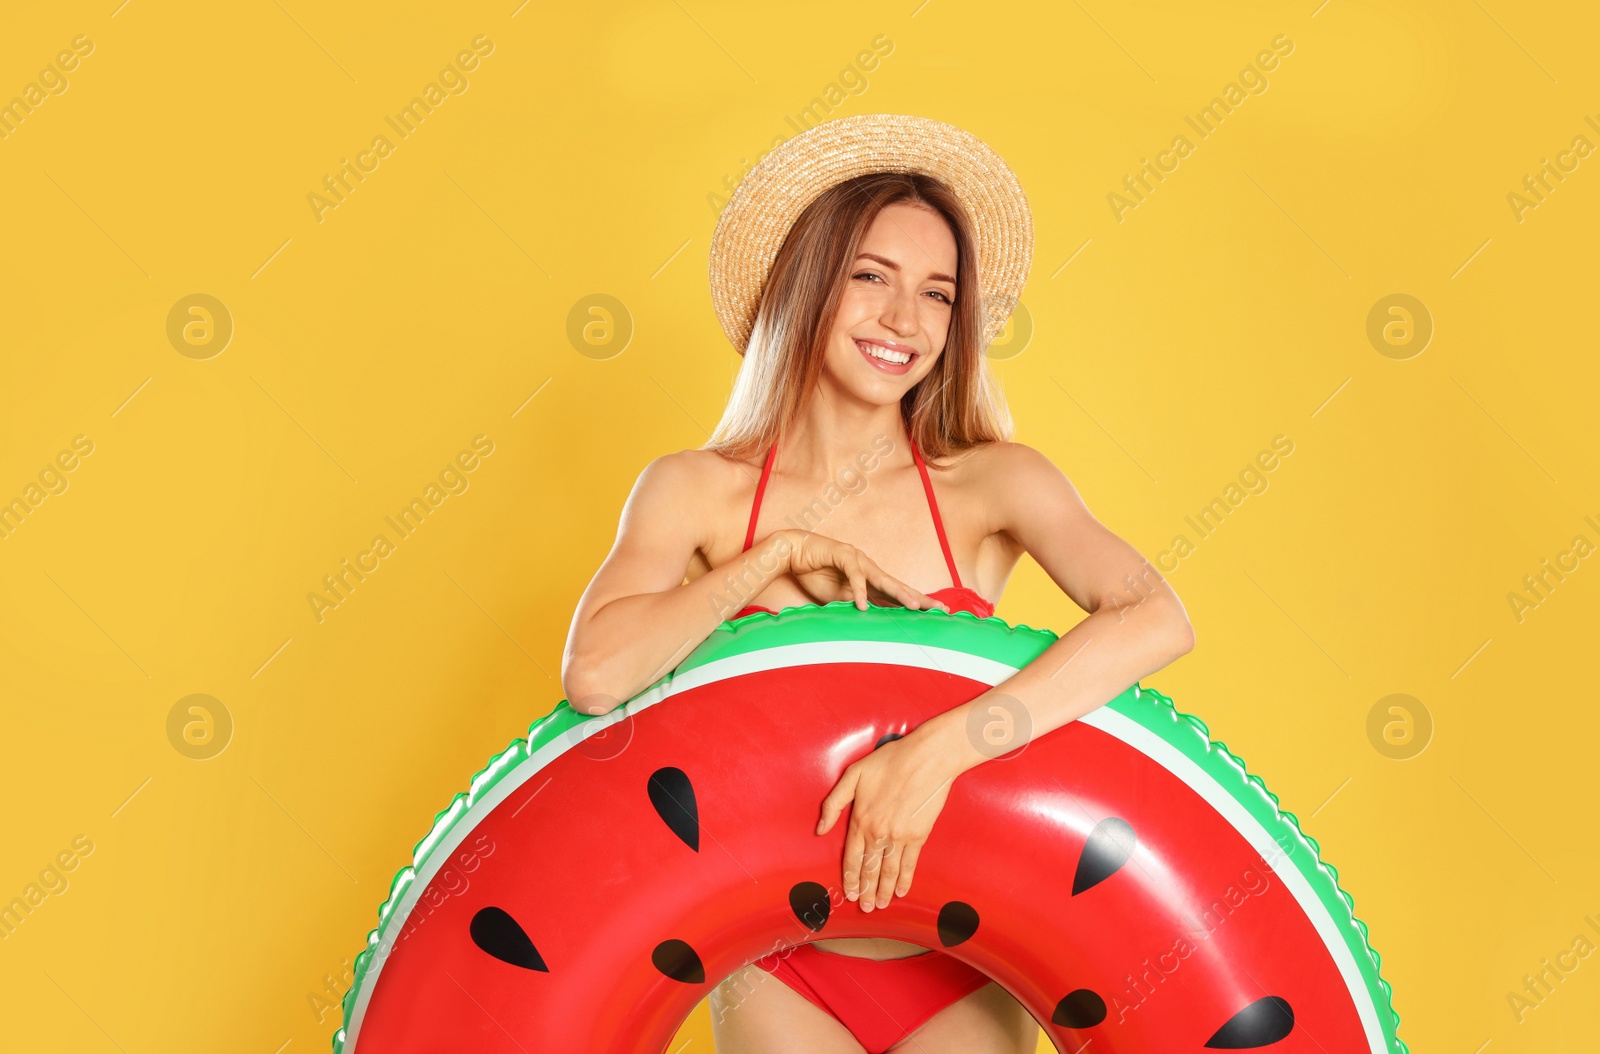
(596, 905)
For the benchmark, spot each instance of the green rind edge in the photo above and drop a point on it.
(1189, 734)
(1015, 645)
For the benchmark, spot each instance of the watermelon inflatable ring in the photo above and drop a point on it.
(1122, 876)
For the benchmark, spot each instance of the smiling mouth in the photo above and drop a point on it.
(885, 355)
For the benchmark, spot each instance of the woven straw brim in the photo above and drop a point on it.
(774, 193)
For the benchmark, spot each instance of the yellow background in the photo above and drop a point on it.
(431, 305)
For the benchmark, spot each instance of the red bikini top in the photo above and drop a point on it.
(957, 596)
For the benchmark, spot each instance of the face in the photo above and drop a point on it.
(897, 303)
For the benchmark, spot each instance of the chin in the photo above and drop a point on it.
(881, 391)
(866, 383)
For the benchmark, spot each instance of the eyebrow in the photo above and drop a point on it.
(891, 265)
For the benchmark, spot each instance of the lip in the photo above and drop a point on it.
(893, 368)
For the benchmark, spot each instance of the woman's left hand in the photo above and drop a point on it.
(899, 790)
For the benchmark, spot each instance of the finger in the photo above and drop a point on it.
(888, 588)
(858, 582)
(909, 596)
(843, 793)
(854, 849)
(871, 868)
(920, 601)
(908, 864)
(889, 875)
(882, 592)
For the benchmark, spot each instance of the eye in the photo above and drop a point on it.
(879, 278)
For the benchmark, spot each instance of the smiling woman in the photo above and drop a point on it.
(861, 269)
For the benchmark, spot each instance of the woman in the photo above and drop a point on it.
(857, 295)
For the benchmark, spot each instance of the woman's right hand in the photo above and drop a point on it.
(831, 570)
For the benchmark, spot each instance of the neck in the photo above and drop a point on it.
(829, 438)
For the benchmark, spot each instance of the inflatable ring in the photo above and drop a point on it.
(1122, 876)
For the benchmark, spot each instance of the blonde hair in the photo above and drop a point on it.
(955, 407)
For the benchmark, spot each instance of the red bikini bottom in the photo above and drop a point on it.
(881, 1001)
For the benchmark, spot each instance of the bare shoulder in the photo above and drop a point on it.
(1016, 487)
(1001, 467)
(678, 481)
(679, 468)
(693, 473)
(694, 488)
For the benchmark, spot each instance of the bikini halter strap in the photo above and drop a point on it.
(927, 486)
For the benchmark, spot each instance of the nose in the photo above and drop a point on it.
(900, 312)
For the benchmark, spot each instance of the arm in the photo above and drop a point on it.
(1136, 623)
(638, 619)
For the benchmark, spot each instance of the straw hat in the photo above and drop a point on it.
(756, 220)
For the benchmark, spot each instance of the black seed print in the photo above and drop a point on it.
(498, 933)
(1260, 1024)
(673, 797)
(810, 904)
(1110, 845)
(958, 921)
(1079, 1009)
(678, 961)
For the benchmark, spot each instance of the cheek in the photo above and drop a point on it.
(855, 307)
(839, 359)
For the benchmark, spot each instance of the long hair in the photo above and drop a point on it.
(955, 407)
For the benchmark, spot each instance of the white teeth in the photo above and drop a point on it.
(878, 351)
